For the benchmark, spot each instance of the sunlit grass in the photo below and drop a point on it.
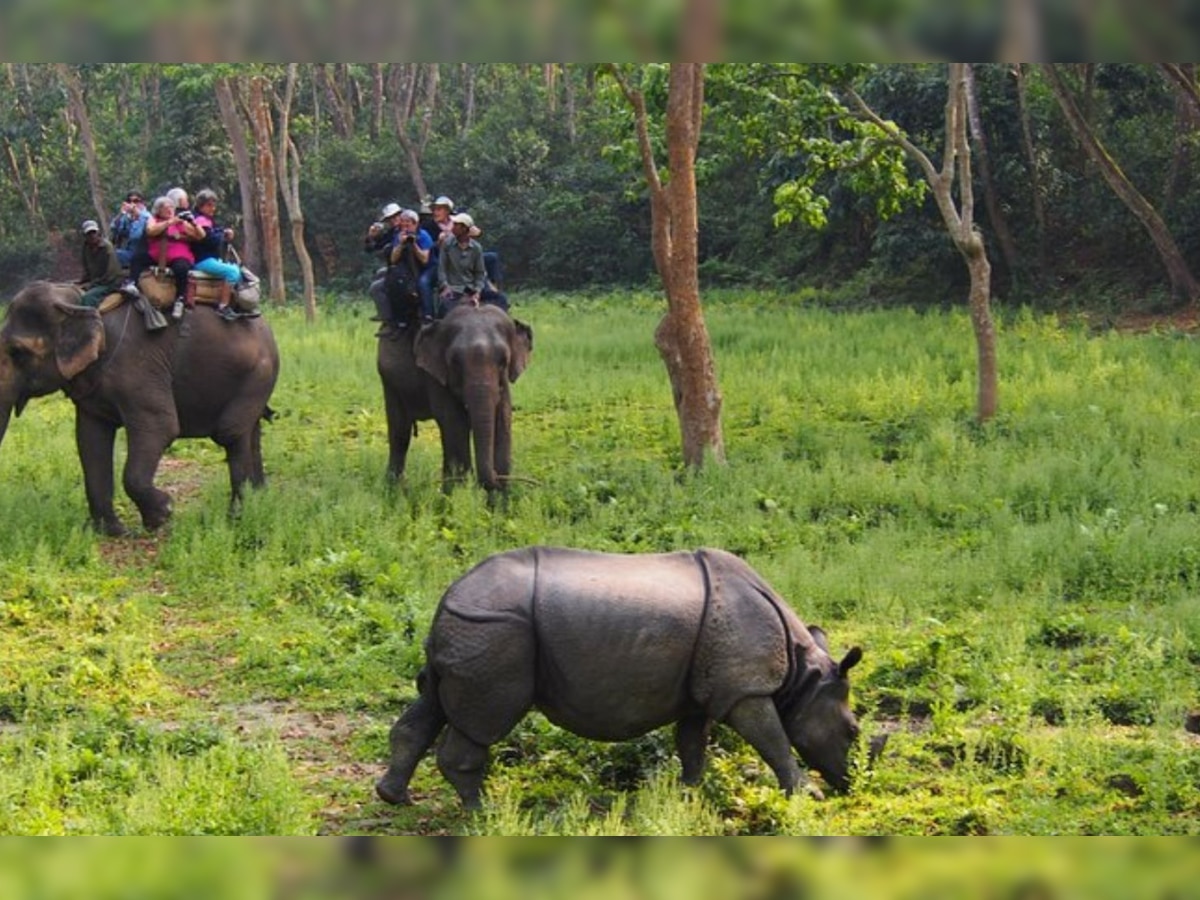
(1026, 590)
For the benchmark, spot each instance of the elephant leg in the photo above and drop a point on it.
(258, 475)
(691, 738)
(504, 442)
(94, 439)
(463, 763)
(757, 720)
(145, 452)
(410, 738)
(400, 431)
(456, 447)
(239, 457)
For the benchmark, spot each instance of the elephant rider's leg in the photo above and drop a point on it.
(94, 439)
(410, 738)
(463, 763)
(378, 294)
(93, 295)
(146, 446)
(426, 284)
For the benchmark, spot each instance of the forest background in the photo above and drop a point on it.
(544, 156)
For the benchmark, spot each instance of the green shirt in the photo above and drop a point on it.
(461, 268)
(100, 265)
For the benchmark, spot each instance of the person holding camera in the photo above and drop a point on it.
(408, 259)
(169, 238)
(128, 229)
(378, 242)
(210, 252)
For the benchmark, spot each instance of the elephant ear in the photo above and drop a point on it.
(79, 340)
(430, 354)
(518, 352)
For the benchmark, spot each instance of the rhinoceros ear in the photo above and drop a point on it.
(849, 661)
(819, 637)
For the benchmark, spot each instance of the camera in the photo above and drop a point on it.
(186, 216)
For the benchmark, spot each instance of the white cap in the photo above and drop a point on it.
(463, 219)
(443, 201)
(88, 226)
(390, 210)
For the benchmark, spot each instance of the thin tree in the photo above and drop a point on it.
(682, 336)
(265, 183)
(414, 93)
(1183, 285)
(235, 130)
(288, 160)
(959, 218)
(1008, 246)
(77, 107)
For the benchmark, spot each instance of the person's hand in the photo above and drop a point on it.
(375, 228)
(447, 293)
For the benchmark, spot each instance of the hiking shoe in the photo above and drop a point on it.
(177, 309)
(129, 289)
(228, 313)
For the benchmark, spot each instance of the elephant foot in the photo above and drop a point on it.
(110, 527)
(397, 796)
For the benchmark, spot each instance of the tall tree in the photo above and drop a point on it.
(235, 129)
(999, 223)
(959, 218)
(415, 94)
(288, 160)
(77, 108)
(265, 183)
(682, 335)
(1183, 284)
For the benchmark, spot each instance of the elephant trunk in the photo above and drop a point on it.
(482, 400)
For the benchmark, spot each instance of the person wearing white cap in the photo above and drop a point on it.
(378, 241)
(461, 274)
(101, 269)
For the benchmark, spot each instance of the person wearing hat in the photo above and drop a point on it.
(461, 273)
(128, 228)
(101, 268)
(378, 242)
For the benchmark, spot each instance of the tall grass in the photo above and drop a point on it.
(1026, 590)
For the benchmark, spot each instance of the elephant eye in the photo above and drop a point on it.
(17, 353)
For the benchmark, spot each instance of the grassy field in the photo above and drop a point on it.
(1027, 593)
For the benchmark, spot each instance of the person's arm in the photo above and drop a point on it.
(478, 272)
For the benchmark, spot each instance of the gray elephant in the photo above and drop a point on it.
(456, 371)
(612, 646)
(201, 378)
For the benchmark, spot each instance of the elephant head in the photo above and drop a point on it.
(476, 352)
(46, 341)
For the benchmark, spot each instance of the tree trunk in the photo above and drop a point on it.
(468, 75)
(288, 159)
(343, 117)
(569, 103)
(377, 97)
(1035, 180)
(77, 107)
(682, 336)
(235, 130)
(960, 222)
(405, 109)
(1008, 247)
(1183, 284)
(265, 179)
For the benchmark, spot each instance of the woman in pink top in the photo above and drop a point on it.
(169, 237)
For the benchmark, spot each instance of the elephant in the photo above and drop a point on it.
(456, 371)
(611, 646)
(201, 377)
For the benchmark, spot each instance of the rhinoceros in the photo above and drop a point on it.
(612, 646)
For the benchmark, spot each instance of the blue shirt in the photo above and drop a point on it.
(424, 242)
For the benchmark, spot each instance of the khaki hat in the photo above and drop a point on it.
(392, 209)
(89, 226)
(443, 201)
(462, 219)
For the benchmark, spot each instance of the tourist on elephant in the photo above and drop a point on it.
(210, 251)
(461, 274)
(101, 269)
(407, 262)
(128, 229)
(169, 239)
(378, 241)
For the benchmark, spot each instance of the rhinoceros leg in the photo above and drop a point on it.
(691, 739)
(463, 762)
(757, 720)
(411, 736)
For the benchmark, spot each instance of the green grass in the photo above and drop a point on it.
(1027, 592)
